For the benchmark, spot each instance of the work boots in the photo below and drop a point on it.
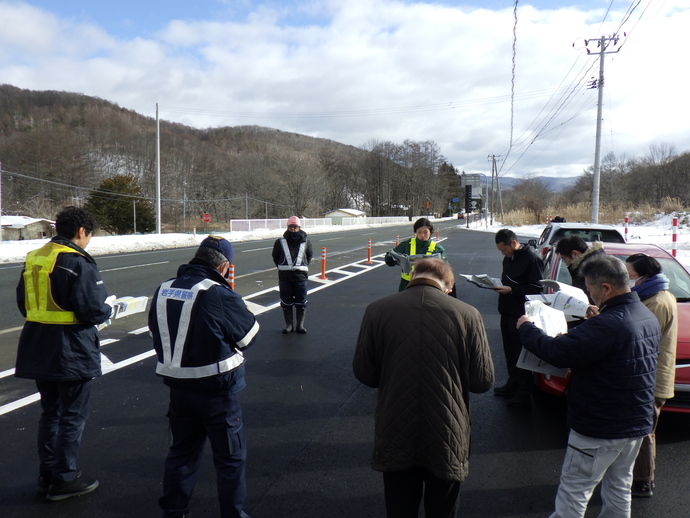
(287, 313)
(300, 319)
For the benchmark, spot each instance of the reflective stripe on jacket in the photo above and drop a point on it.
(173, 347)
(413, 251)
(39, 303)
(299, 262)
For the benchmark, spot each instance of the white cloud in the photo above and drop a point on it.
(362, 69)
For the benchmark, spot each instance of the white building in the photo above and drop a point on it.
(23, 227)
(337, 215)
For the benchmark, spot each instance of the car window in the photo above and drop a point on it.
(679, 280)
(563, 274)
(544, 236)
(589, 235)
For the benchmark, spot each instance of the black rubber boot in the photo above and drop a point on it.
(300, 319)
(287, 313)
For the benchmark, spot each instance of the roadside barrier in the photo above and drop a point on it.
(323, 263)
(627, 220)
(231, 277)
(369, 252)
(675, 237)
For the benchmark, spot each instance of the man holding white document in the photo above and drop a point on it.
(613, 358)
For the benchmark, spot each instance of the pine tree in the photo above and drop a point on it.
(115, 202)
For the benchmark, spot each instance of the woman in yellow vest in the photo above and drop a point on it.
(420, 244)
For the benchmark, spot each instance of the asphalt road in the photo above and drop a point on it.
(308, 422)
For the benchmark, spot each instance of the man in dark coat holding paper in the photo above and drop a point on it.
(613, 359)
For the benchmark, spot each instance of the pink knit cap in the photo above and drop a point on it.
(293, 220)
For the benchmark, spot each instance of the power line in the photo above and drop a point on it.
(106, 194)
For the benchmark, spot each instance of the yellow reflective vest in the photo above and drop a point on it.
(39, 303)
(413, 251)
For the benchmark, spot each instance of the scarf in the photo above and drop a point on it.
(652, 286)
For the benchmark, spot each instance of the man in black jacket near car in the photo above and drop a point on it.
(62, 296)
(522, 271)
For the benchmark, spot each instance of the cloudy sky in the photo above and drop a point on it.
(356, 71)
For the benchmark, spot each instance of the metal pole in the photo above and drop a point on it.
(597, 145)
(134, 204)
(158, 173)
(1, 236)
(184, 206)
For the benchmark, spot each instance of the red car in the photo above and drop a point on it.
(679, 279)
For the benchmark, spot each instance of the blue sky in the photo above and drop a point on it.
(360, 70)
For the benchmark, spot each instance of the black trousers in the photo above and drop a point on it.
(404, 491)
(520, 379)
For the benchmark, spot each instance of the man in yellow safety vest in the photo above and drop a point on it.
(62, 296)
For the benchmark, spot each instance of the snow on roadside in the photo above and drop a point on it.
(659, 232)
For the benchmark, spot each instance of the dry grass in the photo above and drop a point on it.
(612, 214)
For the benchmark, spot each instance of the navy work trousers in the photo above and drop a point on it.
(65, 408)
(293, 293)
(192, 418)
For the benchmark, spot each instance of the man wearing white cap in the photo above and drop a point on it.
(292, 255)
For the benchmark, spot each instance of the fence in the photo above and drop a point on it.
(374, 221)
(249, 225)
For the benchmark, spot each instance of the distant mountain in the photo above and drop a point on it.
(555, 183)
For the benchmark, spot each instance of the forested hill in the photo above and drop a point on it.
(57, 146)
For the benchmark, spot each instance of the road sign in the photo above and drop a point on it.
(206, 218)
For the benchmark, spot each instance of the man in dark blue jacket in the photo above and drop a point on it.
(62, 296)
(612, 357)
(200, 327)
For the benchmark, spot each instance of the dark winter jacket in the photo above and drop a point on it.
(292, 271)
(613, 359)
(65, 352)
(522, 272)
(425, 352)
(205, 357)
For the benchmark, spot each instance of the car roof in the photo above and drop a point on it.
(636, 248)
(581, 225)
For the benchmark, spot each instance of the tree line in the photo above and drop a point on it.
(60, 148)
(626, 183)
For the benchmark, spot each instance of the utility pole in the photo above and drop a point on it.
(604, 44)
(1, 201)
(184, 206)
(158, 174)
(494, 174)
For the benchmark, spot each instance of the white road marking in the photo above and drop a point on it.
(256, 249)
(134, 266)
(107, 366)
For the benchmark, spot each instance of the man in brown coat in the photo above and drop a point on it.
(425, 352)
